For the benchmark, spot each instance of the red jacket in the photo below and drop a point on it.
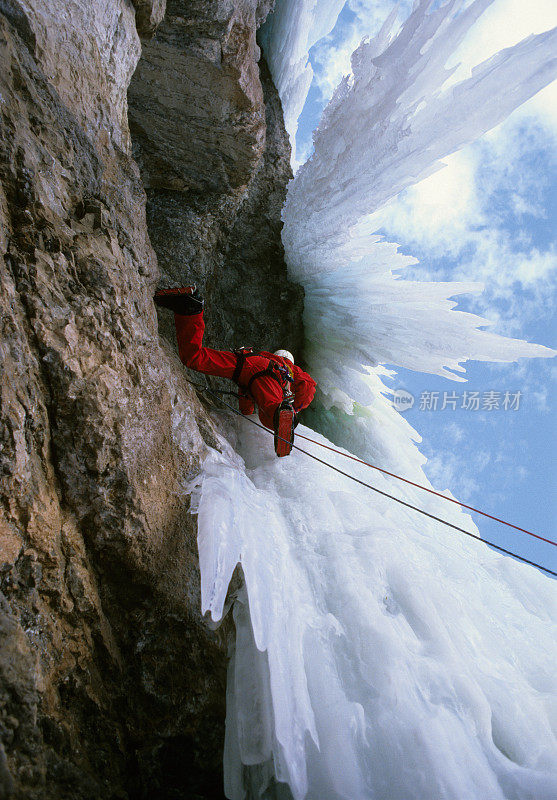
(265, 390)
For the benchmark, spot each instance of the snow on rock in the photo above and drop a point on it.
(378, 653)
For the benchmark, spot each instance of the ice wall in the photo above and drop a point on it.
(379, 655)
(386, 127)
(287, 37)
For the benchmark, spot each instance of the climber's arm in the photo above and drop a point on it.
(304, 389)
(189, 332)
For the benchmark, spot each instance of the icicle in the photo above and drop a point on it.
(386, 127)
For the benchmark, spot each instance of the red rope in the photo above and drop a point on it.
(431, 491)
(384, 494)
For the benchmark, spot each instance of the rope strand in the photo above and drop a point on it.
(385, 494)
(431, 491)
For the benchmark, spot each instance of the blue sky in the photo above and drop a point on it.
(489, 215)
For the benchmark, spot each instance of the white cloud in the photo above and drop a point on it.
(536, 267)
(469, 473)
(332, 61)
(540, 399)
(454, 432)
(449, 471)
(531, 378)
(438, 213)
(453, 215)
(521, 206)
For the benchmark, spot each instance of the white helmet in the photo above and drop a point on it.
(284, 354)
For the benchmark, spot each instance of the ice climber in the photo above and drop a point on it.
(271, 380)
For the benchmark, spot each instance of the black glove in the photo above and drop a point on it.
(184, 300)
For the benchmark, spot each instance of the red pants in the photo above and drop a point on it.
(266, 391)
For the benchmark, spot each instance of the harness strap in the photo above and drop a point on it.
(241, 356)
(267, 371)
(274, 371)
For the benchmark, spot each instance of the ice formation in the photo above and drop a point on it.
(386, 127)
(287, 37)
(379, 655)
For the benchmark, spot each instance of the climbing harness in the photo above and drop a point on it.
(284, 417)
(278, 372)
(397, 499)
(241, 354)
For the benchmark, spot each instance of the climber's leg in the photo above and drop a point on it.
(284, 422)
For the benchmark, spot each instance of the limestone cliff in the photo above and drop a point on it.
(111, 685)
(209, 138)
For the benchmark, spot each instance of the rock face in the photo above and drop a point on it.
(148, 15)
(111, 684)
(215, 159)
(196, 105)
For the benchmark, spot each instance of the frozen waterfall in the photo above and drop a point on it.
(386, 127)
(379, 655)
(287, 36)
